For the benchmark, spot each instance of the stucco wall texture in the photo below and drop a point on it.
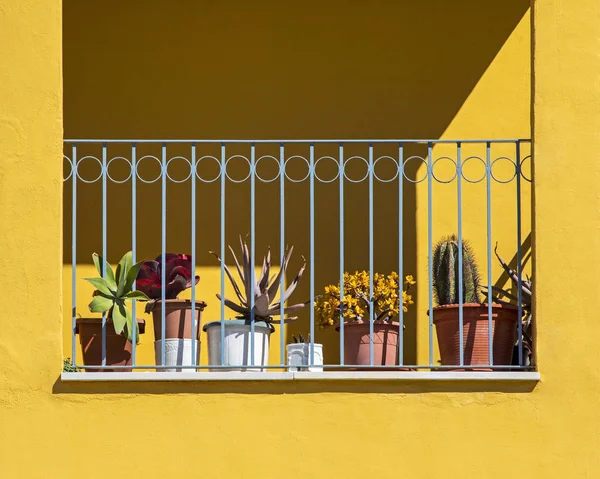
(382, 429)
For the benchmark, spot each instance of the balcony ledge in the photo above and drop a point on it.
(517, 376)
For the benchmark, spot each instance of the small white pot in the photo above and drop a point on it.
(237, 345)
(298, 357)
(178, 352)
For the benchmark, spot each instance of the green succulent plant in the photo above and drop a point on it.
(266, 287)
(68, 367)
(445, 272)
(114, 290)
(300, 338)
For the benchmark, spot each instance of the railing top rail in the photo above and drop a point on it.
(406, 140)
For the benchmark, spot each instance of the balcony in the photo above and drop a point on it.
(360, 135)
(363, 214)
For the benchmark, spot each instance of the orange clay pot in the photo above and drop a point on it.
(118, 349)
(475, 334)
(357, 343)
(178, 319)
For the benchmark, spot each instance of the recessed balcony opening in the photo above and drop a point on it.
(361, 134)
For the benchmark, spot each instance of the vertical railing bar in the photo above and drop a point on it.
(341, 173)
(488, 158)
(223, 177)
(430, 245)
(519, 255)
(164, 253)
(312, 254)
(371, 256)
(104, 247)
(74, 254)
(252, 247)
(133, 250)
(400, 254)
(460, 254)
(195, 326)
(282, 251)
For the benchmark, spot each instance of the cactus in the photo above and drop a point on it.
(445, 273)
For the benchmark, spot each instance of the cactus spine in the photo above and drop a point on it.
(445, 272)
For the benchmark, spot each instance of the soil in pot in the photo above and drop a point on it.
(385, 344)
(475, 334)
(118, 349)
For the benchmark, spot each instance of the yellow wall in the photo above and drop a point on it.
(382, 429)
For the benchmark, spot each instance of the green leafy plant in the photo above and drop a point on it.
(113, 290)
(68, 367)
(445, 273)
(266, 287)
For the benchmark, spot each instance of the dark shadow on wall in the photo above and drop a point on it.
(268, 69)
(292, 387)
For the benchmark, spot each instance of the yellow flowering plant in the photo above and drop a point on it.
(355, 304)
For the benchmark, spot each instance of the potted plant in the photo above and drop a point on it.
(526, 329)
(298, 355)
(356, 310)
(182, 326)
(236, 348)
(113, 291)
(475, 314)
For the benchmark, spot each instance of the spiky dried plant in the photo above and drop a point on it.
(526, 289)
(265, 287)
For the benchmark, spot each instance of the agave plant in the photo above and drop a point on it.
(265, 287)
(178, 277)
(445, 273)
(114, 290)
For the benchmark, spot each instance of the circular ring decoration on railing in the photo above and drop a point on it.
(65, 157)
(208, 157)
(435, 163)
(108, 169)
(249, 168)
(79, 165)
(137, 169)
(337, 175)
(510, 161)
(364, 161)
(423, 160)
(188, 163)
(462, 170)
(260, 177)
(286, 167)
(389, 180)
(528, 157)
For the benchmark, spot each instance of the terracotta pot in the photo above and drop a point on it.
(475, 333)
(357, 343)
(178, 319)
(118, 349)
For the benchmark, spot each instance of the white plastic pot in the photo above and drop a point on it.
(236, 346)
(178, 352)
(298, 356)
